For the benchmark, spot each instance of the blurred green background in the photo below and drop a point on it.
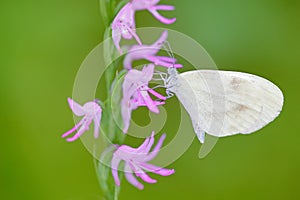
(42, 46)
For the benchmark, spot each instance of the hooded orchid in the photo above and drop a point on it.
(148, 52)
(136, 93)
(91, 112)
(124, 26)
(136, 161)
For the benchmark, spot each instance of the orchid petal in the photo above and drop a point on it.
(164, 7)
(150, 103)
(140, 173)
(157, 170)
(73, 129)
(144, 145)
(157, 103)
(76, 108)
(160, 17)
(178, 66)
(155, 150)
(114, 166)
(148, 71)
(97, 120)
(131, 179)
(150, 144)
(161, 40)
(142, 4)
(156, 94)
(116, 36)
(124, 150)
(133, 33)
(157, 61)
(126, 115)
(167, 59)
(131, 78)
(138, 52)
(82, 129)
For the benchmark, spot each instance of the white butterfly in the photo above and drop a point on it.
(224, 103)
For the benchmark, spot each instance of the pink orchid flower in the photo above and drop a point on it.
(152, 7)
(124, 26)
(136, 93)
(148, 52)
(136, 161)
(91, 112)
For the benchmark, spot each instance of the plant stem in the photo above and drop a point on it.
(109, 126)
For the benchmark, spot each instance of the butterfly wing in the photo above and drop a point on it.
(223, 103)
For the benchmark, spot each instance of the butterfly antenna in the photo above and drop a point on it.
(168, 49)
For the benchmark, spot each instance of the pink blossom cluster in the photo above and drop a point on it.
(136, 90)
(136, 93)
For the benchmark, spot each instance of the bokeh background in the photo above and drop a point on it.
(42, 46)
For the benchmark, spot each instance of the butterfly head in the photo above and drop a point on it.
(172, 72)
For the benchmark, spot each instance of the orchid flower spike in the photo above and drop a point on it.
(148, 52)
(91, 112)
(136, 161)
(124, 26)
(152, 7)
(136, 93)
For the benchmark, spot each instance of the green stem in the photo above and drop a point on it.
(109, 126)
(105, 179)
(106, 9)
